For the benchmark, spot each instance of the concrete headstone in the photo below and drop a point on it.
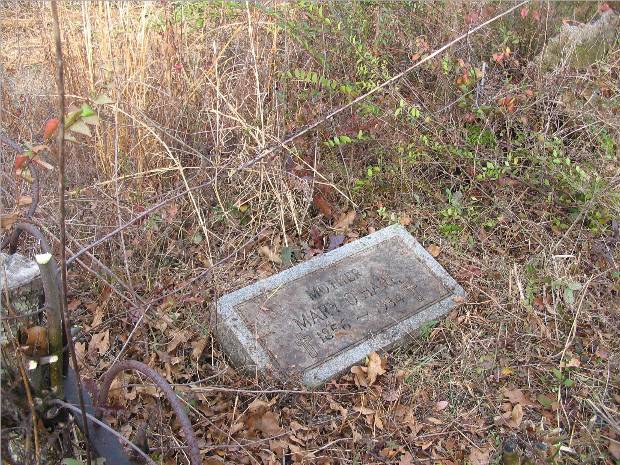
(318, 318)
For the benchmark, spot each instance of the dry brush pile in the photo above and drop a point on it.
(505, 167)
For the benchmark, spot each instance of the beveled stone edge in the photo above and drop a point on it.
(232, 331)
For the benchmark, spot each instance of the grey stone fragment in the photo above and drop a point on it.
(22, 278)
(317, 319)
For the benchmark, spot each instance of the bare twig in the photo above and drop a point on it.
(61, 219)
(6, 140)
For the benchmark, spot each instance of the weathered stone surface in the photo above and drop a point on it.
(319, 318)
(23, 279)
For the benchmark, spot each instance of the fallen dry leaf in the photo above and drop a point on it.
(434, 421)
(322, 205)
(441, 405)
(515, 416)
(98, 317)
(178, 338)
(268, 424)
(24, 201)
(335, 241)
(614, 449)
(7, 220)
(391, 395)
(479, 456)
(434, 250)
(375, 367)
(516, 396)
(270, 255)
(406, 459)
(345, 221)
(364, 410)
(359, 373)
(338, 408)
(316, 237)
(100, 342)
(213, 460)
(198, 347)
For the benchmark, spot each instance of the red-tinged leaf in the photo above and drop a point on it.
(316, 237)
(603, 7)
(524, 12)
(508, 103)
(469, 117)
(536, 16)
(20, 162)
(504, 181)
(468, 272)
(322, 205)
(50, 128)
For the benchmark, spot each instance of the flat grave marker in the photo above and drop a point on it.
(320, 317)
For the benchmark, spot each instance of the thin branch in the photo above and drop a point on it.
(61, 220)
(6, 140)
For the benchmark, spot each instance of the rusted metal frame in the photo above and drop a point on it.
(51, 290)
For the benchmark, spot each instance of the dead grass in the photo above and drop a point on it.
(200, 89)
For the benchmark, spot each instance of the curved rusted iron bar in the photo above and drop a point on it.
(36, 233)
(161, 383)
